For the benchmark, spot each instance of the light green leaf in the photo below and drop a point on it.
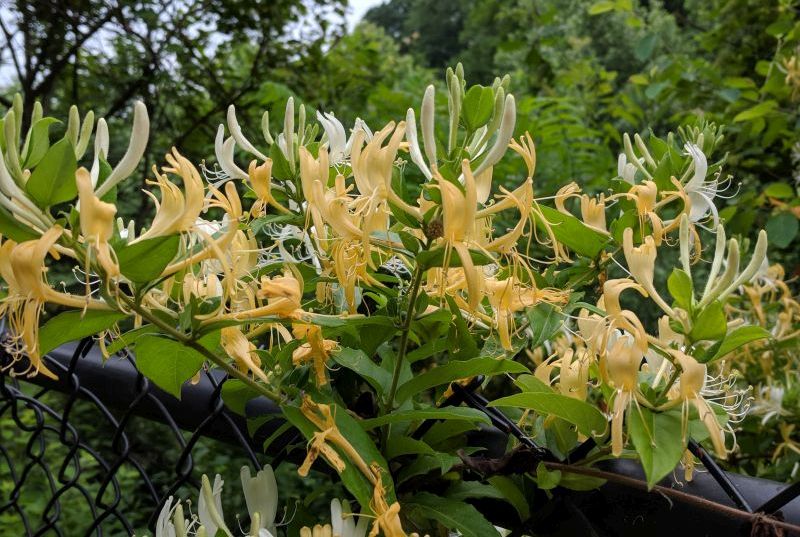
(478, 106)
(13, 229)
(53, 179)
(529, 383)
(432, 413)
(782, 229)
(573, 233)
(757, 111)
(75, 325)
(657, 439)
(545, 320)
(779, 190)
(144, 261)
(603, 6)
(129, 338)
(547, 479)
(710, 323)
(739, 337)
(452, 514)
(167, 362)
(587, 418)
(437, 257)
(236, 394)
(39, 141)
(681, 288)
(456, 370)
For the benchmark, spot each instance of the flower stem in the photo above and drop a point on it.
(401, 352)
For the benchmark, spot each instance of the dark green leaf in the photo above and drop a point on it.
(478, 106)
(13, 229)
(432, 413)
(39, 142)
(456, 370)
(452, 514)
(782, 229)
(572, 232)
(357, 361)
(145, 260)
(739, 337)
(545, 320)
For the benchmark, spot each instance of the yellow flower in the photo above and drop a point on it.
(641, 262)
(506, 298)
(574, 374)
(178, 210)
(22, 267)
(316, 350)
(622, 366)
(593, 212)
(261, 180)
(238, 347)
(387, 517)
(97, 222)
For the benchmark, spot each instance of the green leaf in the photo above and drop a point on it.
(456, 370)
(452, 514)
(280, 166)
(529, 383)
(657, 439)
(573, 233)
(511, 493)
(587, 418)
(357, 361)
(545, 320)
(432, 413)
(167, 362)
(75, 325)
(547, 479)
(436, 258)
(756, 111)
(580, 482)
(478, 106)
(13, 229)
(739, 337)
(145, 260)
(129, 338)
(710, 323)
(782, 229)
(644, 48)
(779, 190)
(602, 6)
(236, 394)
(681, 288)
(53, 179)
(39, 141)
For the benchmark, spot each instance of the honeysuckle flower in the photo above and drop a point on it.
(317, 531)
(261, 496)
(97, 222)
(506, 298)
(343, 523)
(339, 145)
(617, 318)
(387, 517)
(238, 347)
(622, 366)
(325, 438)
(316, 350)
(209, 506)
(573, 378)
(140, 133)
(625, 169)
(641, 262)
(178, 210)
(593, 212)
(644, 195)
(260, 177)
(164, 525)
(701, 192)
(691, 384)
(23, 269)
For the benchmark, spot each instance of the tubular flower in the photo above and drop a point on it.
(238, 347)
(261, 497)
(616, 317)
(315, 350)
(328, 436)
(701, 192)
(373, 164)
(22, 267)
(574, 374)
(260, 177)
(622, 364)
(641, 262)
(506, 298)
(178, 210)
(209, 506)
(97, 222)
(644, 195)
(593, 212)
(387, 517)
(692, 381)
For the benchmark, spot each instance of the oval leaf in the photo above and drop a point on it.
(588, 419)
(53, 179)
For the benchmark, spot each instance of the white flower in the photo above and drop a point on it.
(345, 526)
(209, 507)
(339, 145)
(130, 160)
(164, 526)
(769, 403)
(261, 495)
(625, 169)
(701, 192)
